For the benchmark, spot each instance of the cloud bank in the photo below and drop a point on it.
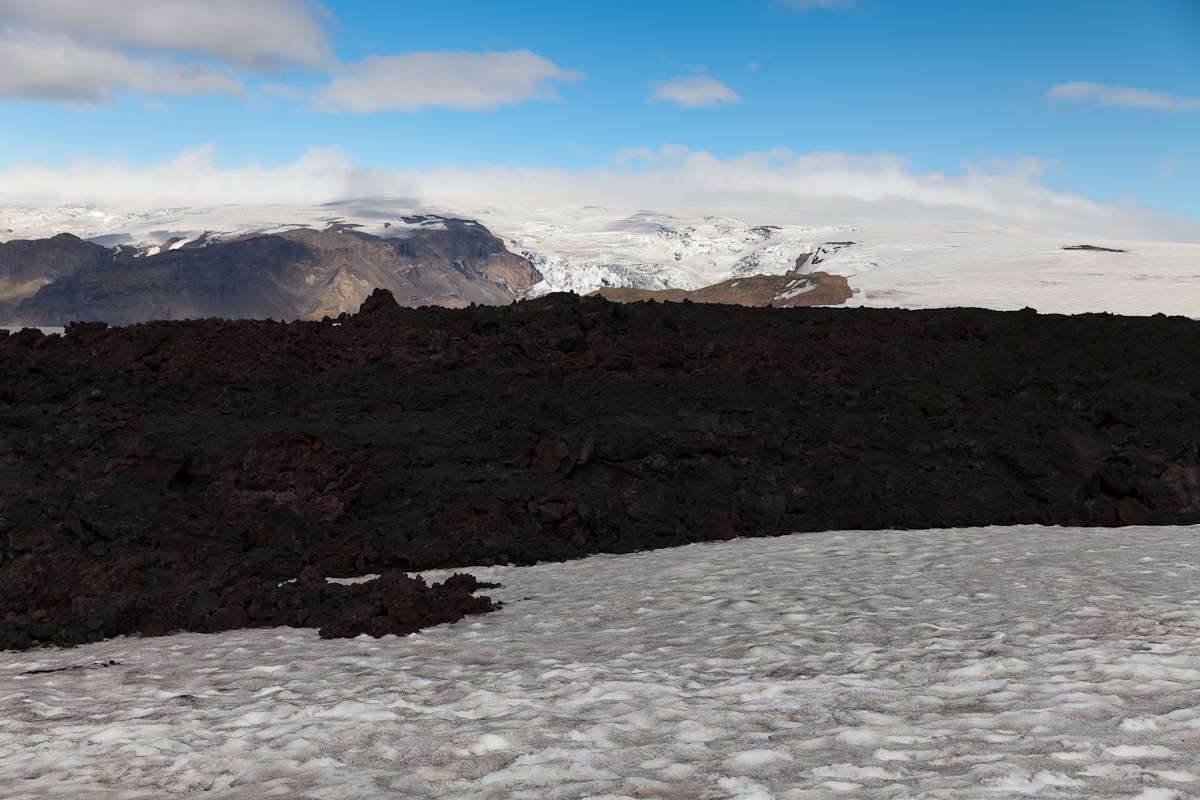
(694, 91)
(1120, 97)
(826, 187)
(256, 34)
(43, 67)
(466, 81)
(85, 53)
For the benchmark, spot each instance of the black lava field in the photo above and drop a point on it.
(209, 475)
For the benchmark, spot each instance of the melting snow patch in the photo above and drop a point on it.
(732, 682)
(1139, 751)
(856, 773)
(754, 758)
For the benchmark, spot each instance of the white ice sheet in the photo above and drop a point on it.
(966, 663)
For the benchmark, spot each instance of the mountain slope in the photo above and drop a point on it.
(28, 265)
(779, 291)
(296, 274)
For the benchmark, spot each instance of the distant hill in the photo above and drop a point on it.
(779, 291)
(28, 265)
(297, 274)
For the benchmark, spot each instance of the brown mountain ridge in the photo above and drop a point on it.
(777, 291)
(298, 274)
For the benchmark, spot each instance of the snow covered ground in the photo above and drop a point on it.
(988, 266)
(48, 330)
(913, 263)
(965, 663)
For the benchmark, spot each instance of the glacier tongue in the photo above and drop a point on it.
(583, 274)
(581, 250)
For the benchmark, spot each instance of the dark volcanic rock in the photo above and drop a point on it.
(300, 274)
(174, 474)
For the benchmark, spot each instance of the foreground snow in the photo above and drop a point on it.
(952, 664)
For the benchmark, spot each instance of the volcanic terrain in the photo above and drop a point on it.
(212, 474)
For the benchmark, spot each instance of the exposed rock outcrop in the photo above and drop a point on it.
(28, 265)
(300, 274)
(779, 291)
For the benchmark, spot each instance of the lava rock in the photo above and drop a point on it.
(209, 474)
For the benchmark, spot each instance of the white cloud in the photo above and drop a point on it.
(255, 34)
(1120, 96)
(694, 91)
(86, 52)
(446, 79)
(805, 5)
(820, 188)
(58, 69)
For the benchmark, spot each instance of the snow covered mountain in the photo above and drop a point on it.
(297, 273)
(590, 248)
(913, 263)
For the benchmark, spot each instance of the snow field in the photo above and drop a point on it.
(977, 266)
(962, 663)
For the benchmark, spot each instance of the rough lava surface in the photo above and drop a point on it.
(209, 475)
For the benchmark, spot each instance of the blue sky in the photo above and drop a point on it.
(1098, 97)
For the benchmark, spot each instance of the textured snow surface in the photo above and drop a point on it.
(964, 663)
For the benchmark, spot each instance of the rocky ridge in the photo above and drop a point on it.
(294, 274)
(28, 265)
(778, 291)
